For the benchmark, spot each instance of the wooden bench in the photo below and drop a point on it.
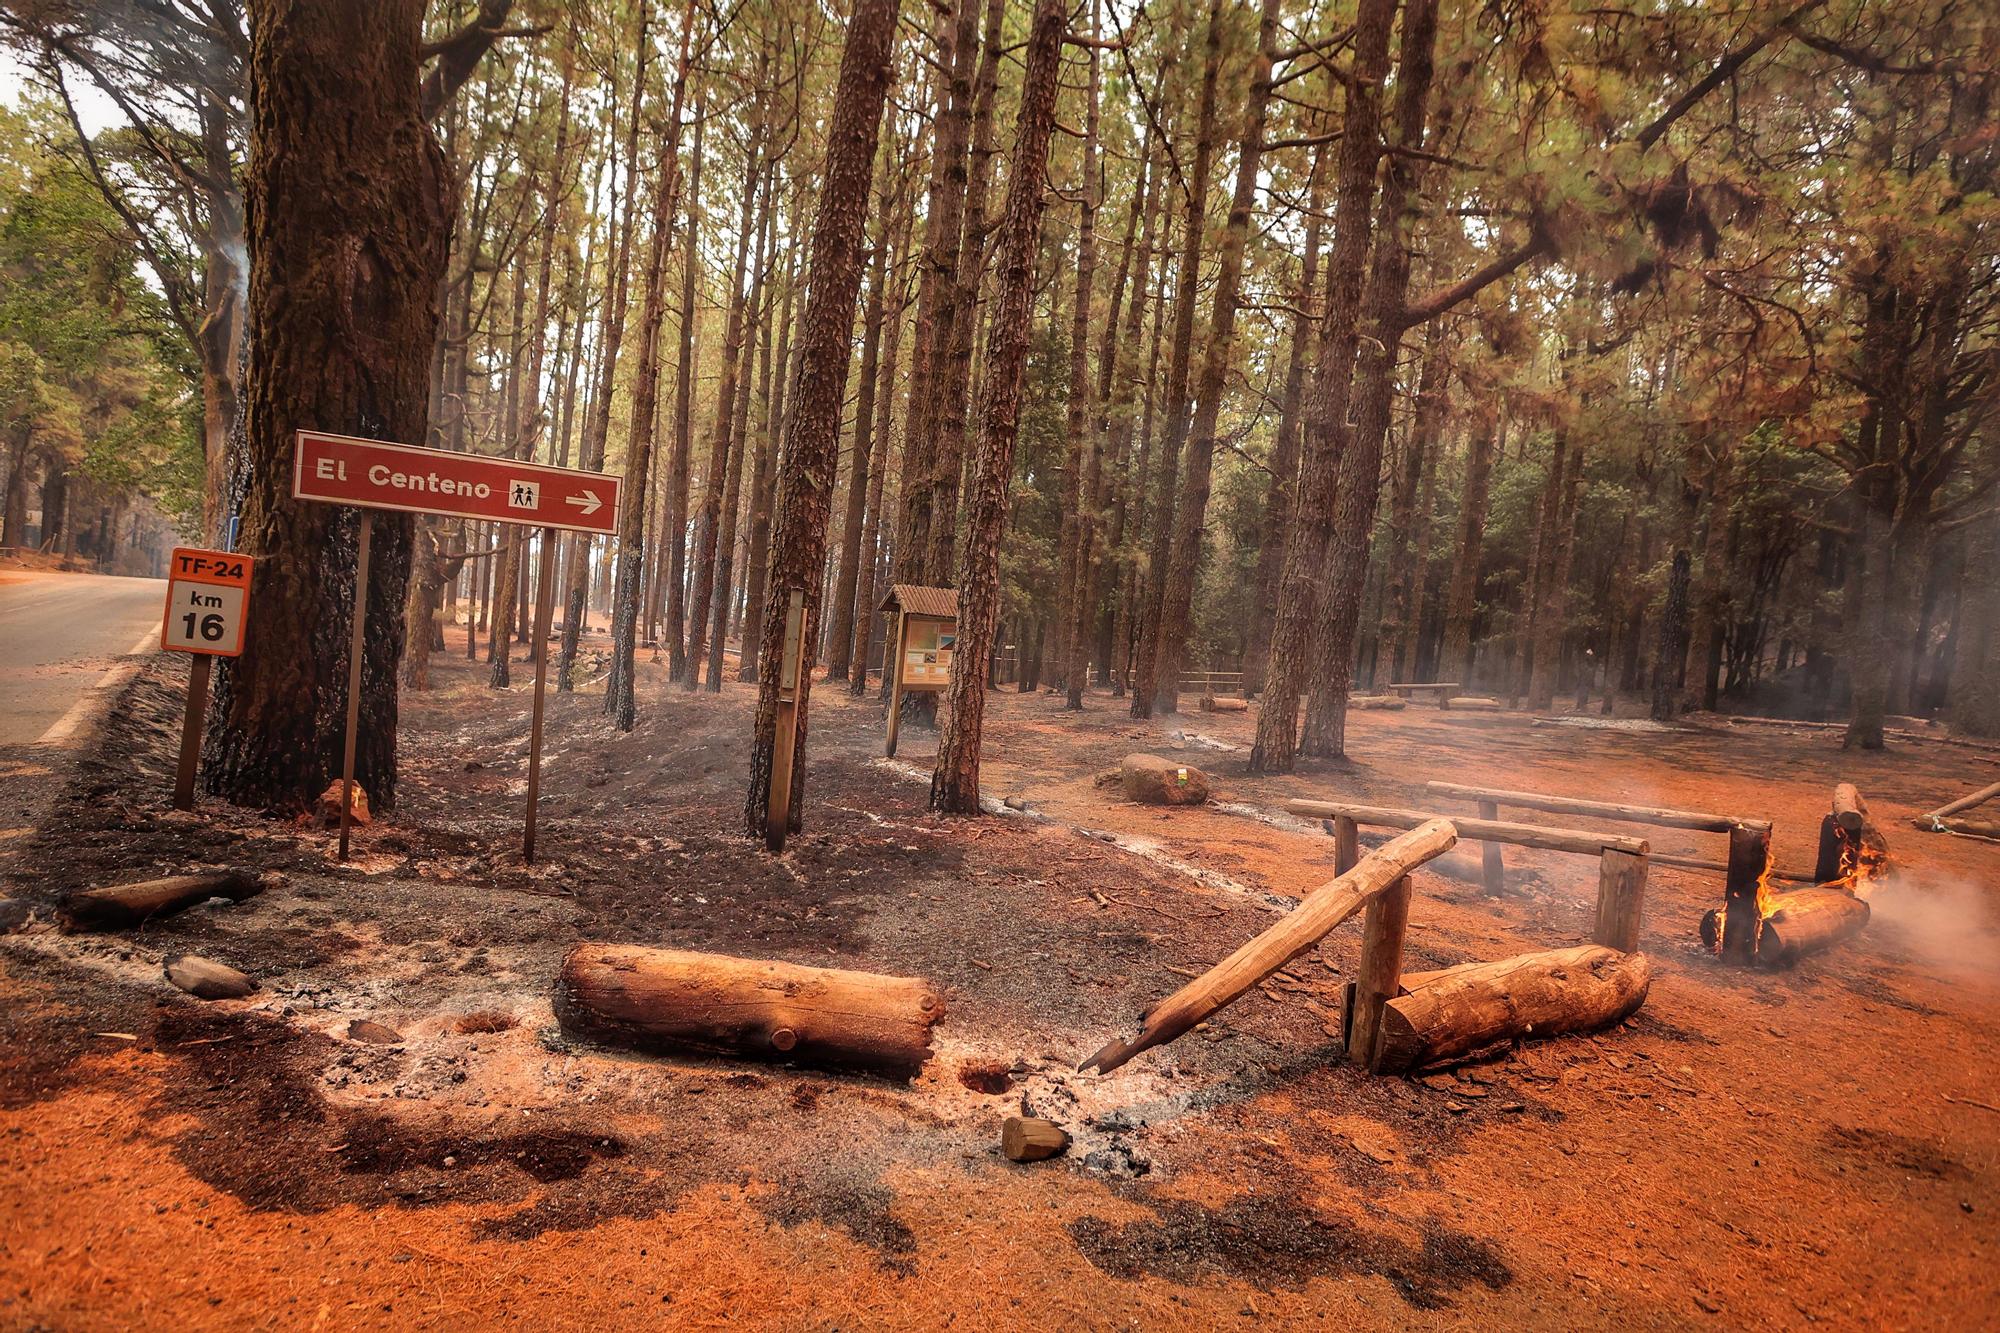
(1443, 689)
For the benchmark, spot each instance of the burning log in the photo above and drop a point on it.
(1805, 921)
(671, 1000)
(1743, 890)
(122, 906)
(1302, 928)
(1465, 1009)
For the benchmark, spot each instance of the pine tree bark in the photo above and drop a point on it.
(349, 222)
(872, 556)
(620, 694)
(1302, 581)
(1085, 456)
(1552, 614)
(1147, 689)
(1409, 524)
(681, 480)
(1185, 560)
(764, 485)
(1973, 699)
(708, 528)
(955, 781)
(597, 425)
(944, 214)
(1384, 322)
(955, 377)
(812, 438)
(1673, 641)
(1281, 494)
(723, 606)
(847, 578)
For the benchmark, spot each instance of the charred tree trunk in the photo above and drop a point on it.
(955, 783)
(350, 212)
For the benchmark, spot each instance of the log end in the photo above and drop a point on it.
(1025, 1138)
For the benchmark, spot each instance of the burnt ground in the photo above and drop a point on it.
(1750, 1148)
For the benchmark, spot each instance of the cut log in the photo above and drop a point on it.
(1950, 808)
(1849, 810)
(1536, 994)
(1579, 841)
(122, 906)
(206, 979)
(1621, 901)
(672, 1000)
(1570, 805)
(1211, 704)
(1387, 703)
(1470, 703)
(1296, 932)
(1024, 1138)
(1805, 921)
(1151, 780)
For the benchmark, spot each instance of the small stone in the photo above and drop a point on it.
(206, 979)
(14, 914)
(329, 803)
(368, 1030)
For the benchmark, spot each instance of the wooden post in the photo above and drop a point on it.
(1492, 870)
(778, 809)
(893, 664)
(1381, 969)
(197, 710)
(1301, 928)
(1346, 844)
(1749, 854)
(1621, 899)
(544, 614)
(356, 633)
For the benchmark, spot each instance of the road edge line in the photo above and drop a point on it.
(97, 700)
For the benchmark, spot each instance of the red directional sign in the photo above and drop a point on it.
(341, 469)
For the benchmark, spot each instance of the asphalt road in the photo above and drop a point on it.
(59, 635)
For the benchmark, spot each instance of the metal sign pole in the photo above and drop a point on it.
(544, 612)
(778, 807)
(354, 646)
(197, 710)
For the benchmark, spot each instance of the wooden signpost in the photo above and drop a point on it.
(208, 612)
(778, 810)
(374, 474)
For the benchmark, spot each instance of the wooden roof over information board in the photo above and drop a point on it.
(917, 600)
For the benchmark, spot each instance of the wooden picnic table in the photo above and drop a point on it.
(1443, 688)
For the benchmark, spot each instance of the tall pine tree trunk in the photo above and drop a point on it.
(812, 439)
(955, 781)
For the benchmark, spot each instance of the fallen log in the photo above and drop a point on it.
(1570, 805)
(673, 1000)
(1151, 780)
(1471, 703)
(1384, 702)
(1977, 828)
(122, 906)
(1466, 1009)
(1300, 929)
(1928, 822)
(1211, 704)
(1804, 921)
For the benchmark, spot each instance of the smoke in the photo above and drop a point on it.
(1938, 920)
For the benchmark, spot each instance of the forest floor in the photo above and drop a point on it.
(1750, 1149)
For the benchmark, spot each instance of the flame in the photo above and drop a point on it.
(1864, 860)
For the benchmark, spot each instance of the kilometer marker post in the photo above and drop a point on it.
(207, 615)
(354, 645)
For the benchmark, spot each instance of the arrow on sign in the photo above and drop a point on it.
(587, 502)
